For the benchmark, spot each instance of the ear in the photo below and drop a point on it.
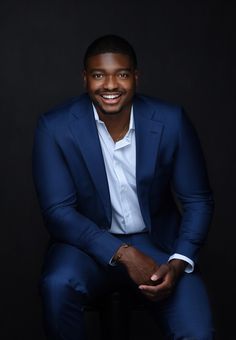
(84, 75)
(136, 75)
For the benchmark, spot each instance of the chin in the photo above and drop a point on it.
(109, 111)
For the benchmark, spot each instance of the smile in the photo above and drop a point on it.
(110, 96)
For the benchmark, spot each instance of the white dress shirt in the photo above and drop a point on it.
(120, 165)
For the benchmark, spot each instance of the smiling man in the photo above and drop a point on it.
(110, 79)
(108, 168)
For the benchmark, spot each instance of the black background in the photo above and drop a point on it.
(186, 52)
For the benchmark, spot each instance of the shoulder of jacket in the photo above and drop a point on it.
(162, 110)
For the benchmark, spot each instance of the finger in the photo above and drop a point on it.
(160, 273)
(156, 280)
(155, 289)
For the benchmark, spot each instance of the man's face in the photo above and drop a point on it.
(110, 79)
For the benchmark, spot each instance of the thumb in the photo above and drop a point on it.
(160, 273)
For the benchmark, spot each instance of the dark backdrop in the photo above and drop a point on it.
(186, 52)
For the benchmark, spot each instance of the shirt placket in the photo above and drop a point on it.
(123, 185)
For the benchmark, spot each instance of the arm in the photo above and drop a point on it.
(58, 200)
(191, 186)
(190, 183)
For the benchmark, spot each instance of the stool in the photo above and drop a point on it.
(114, 314)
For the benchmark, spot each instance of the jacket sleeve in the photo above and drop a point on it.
(58, 201)
(191, 186)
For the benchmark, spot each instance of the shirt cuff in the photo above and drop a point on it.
(190, 266)
(112, 262)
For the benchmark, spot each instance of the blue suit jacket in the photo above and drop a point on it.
(72, 187)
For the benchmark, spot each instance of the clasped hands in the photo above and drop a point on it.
(155, 281)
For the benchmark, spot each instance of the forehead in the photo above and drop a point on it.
(108, 61)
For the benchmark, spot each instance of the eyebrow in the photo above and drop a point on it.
(118, 70)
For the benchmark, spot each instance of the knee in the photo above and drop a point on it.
(57, 287)
(53, 282)
(53, 288)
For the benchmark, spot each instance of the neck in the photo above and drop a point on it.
(117, 124)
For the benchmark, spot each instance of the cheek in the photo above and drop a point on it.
(131, 86)
(91, 87)
(130, 90)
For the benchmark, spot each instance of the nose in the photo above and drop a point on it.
(110, 82)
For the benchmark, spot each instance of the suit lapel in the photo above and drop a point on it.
(148, 134)
(86, 136)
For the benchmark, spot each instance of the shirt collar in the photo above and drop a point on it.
(131, 122)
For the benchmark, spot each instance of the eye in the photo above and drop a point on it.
(123, 75)
(97, 75)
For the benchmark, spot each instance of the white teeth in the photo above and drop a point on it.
(110, 96)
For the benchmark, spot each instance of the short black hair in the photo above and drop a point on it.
(110, 44)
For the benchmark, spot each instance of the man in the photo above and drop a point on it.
(110, 168)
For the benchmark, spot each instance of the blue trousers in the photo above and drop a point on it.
(71, 279)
